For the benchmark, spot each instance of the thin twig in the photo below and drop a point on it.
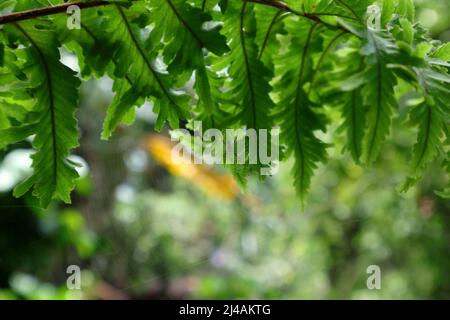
(310, 16)
(39, 12)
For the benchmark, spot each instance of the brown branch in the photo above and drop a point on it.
(282, 6)
(39, 12)
(311, 16)
(35, 13)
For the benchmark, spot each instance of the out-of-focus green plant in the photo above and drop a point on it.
(435, 15)
(186, 244)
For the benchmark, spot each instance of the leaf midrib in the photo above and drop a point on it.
(113, 59)
(269, 32)
(378, 103)
(427, 136)
(185, 24)
(51, 99)
(247, 66)
(144, 57)
(354, 126)
(296, 105)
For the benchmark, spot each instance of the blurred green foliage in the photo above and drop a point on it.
(137, 232)
(435, 15)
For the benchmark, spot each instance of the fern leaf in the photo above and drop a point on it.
(432, 118)
(269, 25)
(378, 93)
(249, 87)
(298, 120)
(56, 134)
(88, 43)
(354, 115)
(137, 54)
(175, 20)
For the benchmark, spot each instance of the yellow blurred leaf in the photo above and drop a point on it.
(213, 183)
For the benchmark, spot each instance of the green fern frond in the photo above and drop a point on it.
(378, 93)
(187, 32)
(249, 88)
(298, 119)
(53, 123)
(269, 25)
(137, 54)
(432, 117)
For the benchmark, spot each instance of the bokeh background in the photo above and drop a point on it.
(141, 228)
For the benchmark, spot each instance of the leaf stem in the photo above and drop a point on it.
(311, 16)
